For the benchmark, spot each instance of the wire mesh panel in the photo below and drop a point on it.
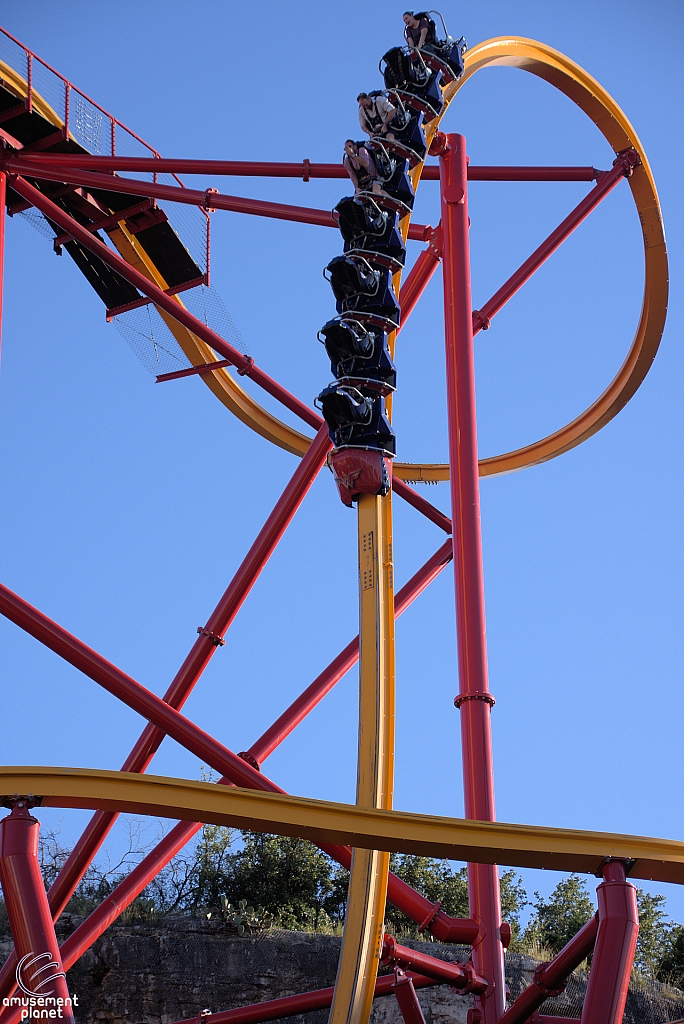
(154, 344)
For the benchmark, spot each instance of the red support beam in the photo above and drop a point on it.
(289, 1006)
(202, 651)
(243, 363)
(553, 976)
(622, 168)
(133, 694)
(618, 929)
(419, 276)
(458, 975)
(407, 999)
(411, 902)
(474, 699)
(322, 685)
(304, 170)
(40, 964)
(172, 193)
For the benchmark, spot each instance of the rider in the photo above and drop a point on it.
(375, 114)
(361, 168)
(417, 32)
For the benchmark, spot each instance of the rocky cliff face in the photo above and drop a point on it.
(157, 974)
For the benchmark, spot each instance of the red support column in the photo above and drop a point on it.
(618, 929)
(39, 971)
(474, 699)
(407, 998)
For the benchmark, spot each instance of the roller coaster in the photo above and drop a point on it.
(62, 162)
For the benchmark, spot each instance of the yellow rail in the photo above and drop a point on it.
(363, 926)
(526, 846)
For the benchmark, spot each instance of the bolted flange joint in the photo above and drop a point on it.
(439, 145)
(250, 759)
(461, 698)
(549, 993)
(216, 640)
(432, 914)
(628, 159)
(21, 803)
(480, 322)
(247, 368)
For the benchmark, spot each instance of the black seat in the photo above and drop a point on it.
(359, 288)
(356, 418)
(351, 278)
(356, 218)
(358, 351)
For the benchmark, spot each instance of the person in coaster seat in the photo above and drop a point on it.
(375, 114)
(419, 32)
(360, 166)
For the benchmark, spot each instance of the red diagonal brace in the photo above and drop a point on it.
(622, 167)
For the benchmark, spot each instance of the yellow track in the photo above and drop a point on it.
(371, 827)
(530, 846)
(561, 72)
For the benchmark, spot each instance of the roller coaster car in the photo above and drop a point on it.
(386, 249)
(412, 82)
(356, 418)
(358, 354)
(447, 57)
(409, 138)
(400, 71)
(366, 292)
(357, 219)
(426, 99)
(393, 173)
(358, 471)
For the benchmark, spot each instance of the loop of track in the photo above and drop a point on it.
(567, 76)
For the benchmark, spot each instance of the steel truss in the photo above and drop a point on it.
(372, 827)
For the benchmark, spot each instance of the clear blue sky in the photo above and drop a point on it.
(127, 506)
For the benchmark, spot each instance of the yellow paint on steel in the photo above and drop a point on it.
(363, 927)
(567, 76)
(527, 846)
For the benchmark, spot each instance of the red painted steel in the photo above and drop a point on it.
(421, 504)
(192, 197)
(244, 364)
(606, 184)
(304, 170)
(412, 903)
(407, 999)
(458, 975)
(474, 699)
(618, 929)
(29, 914)
(205, 368)
(322, 685)
(553, 976)
(417, 281)
(288, 1006)
(131, 693)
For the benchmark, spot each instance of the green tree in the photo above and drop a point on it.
(291, 878)
(654, 931)
(671, 966)
(439, 880)
(561, 916)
